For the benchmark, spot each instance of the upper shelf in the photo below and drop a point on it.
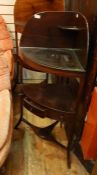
(71, 28)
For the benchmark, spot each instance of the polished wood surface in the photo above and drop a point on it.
(57, 21)
(24, 9)
(63, 27)
(31, 155)
(89, 9)
(52, 96)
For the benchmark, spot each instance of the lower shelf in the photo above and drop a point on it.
(51, 99)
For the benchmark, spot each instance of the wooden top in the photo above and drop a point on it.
(57, 45)
(24, 9)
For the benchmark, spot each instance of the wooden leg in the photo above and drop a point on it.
(21, 74)
(70, 131)
(68, 156)
(21, 112)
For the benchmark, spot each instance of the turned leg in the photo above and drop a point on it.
(70, 131)
(21, 112)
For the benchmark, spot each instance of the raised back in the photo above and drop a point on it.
(65, 30)
(24, 9)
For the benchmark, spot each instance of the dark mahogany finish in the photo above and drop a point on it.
(23, 10)
(55, 43)
(89, 9)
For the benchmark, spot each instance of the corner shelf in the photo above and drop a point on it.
(56, 58)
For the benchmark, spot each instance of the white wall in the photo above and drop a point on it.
(6, 10)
